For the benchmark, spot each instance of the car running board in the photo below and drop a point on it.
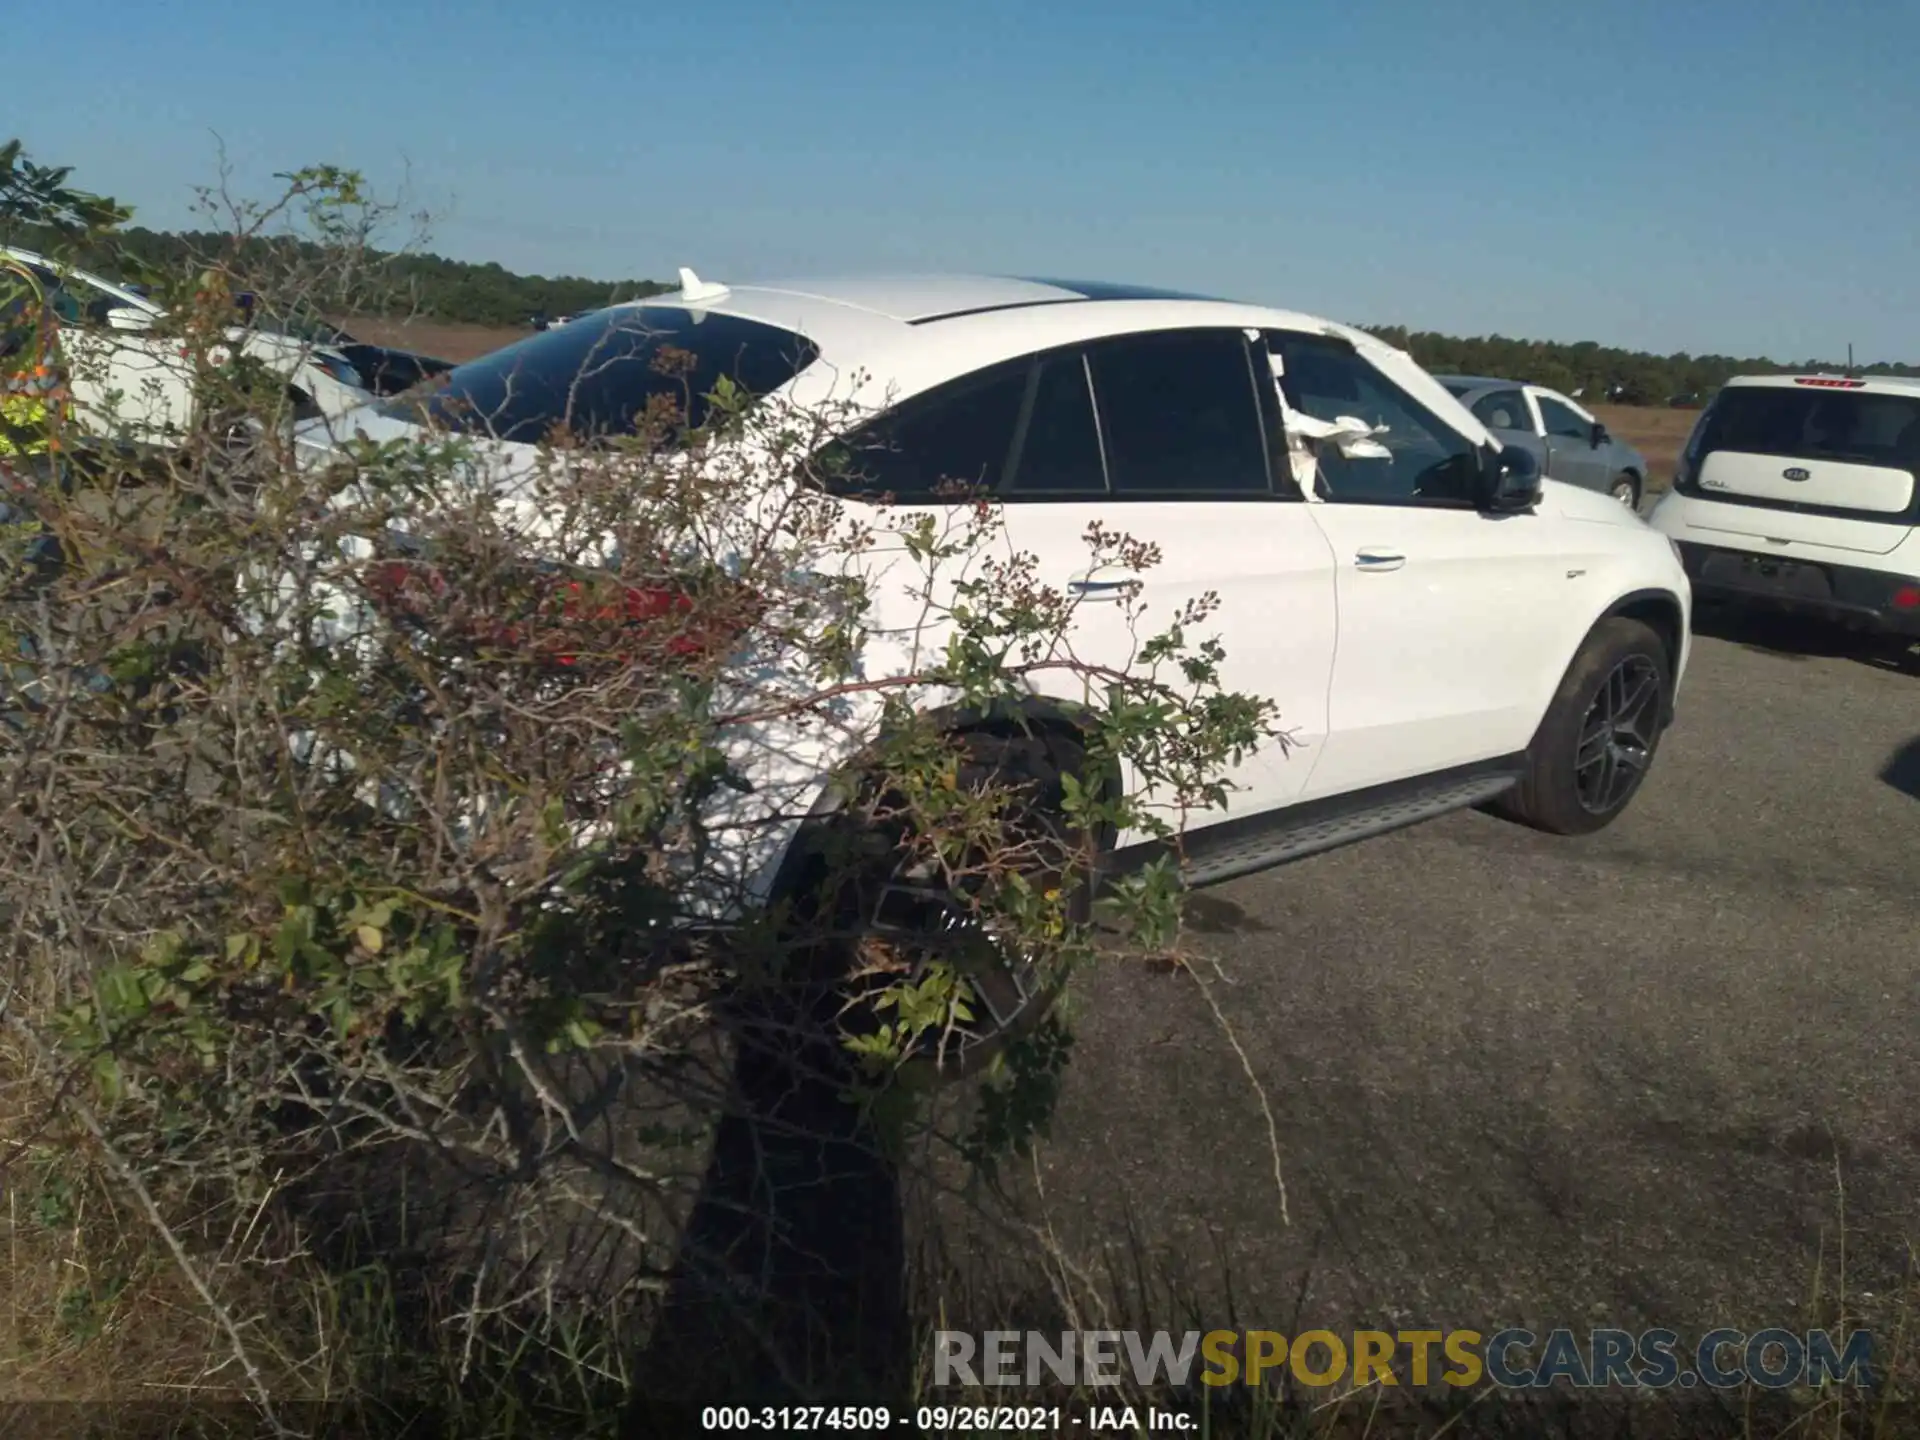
(1227, 851)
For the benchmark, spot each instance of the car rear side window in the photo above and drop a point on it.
(1504, 410)
(1180, 414)
(601, 374)
(935, 445)
(1060, 447)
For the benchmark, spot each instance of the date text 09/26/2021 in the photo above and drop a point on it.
(948, 1419)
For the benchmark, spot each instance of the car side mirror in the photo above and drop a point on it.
(1509, 480)
(1600, 436)
(129, 318)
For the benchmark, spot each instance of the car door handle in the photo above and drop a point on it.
(1379, 560)
(1097, 587)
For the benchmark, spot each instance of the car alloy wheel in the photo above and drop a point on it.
(1618, 735)
(1624, 491)
(923, 924)
(919, 916)
(871, 910)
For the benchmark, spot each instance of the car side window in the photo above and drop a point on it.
(936, 447)
(1562, 420)
(1180, 414)
(1059, 450)
(1412, 458)
(1504, 410)
(76, 302)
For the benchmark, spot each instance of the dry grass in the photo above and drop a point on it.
(93, 1316)
(93, 1313)
(445, 339)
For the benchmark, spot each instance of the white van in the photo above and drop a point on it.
(1799, 493)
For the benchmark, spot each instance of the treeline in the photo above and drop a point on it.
(489, 294)
(396, 284)
(1600, 372)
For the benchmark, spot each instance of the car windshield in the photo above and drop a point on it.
(601, 374)
(1859, 427)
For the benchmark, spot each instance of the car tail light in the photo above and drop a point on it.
(564, 618)
(1829, 382)
(1907, 597)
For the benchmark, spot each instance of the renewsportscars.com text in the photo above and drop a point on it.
(1774, 1358)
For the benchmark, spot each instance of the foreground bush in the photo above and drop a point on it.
(386, 869)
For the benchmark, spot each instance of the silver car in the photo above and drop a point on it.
(1571, 445)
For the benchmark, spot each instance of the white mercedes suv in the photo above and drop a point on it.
(1438, 626)
(1798, 493)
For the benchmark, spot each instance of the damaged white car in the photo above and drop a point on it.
(1438, 626)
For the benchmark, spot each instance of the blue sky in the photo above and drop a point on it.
(1737, 176)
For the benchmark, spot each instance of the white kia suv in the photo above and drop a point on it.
(1439, 627)
(1797, 493)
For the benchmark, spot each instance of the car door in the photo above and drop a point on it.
(1447, 614)
(1572, 456)
(1165, 437)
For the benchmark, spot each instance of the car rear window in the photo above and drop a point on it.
(598, 375)
(1860, 427)
(1855, 427)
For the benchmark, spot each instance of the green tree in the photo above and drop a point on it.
(1644, 378)
(38, 197)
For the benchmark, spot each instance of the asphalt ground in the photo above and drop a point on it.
(1653, 1077)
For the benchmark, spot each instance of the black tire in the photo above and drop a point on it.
(1600, 734)
(1626, 489)
(872, 897)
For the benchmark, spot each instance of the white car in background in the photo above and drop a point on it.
(1438, 626)
(131, 380)
(1798, 493)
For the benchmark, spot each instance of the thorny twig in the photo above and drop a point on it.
(1246, 1066)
